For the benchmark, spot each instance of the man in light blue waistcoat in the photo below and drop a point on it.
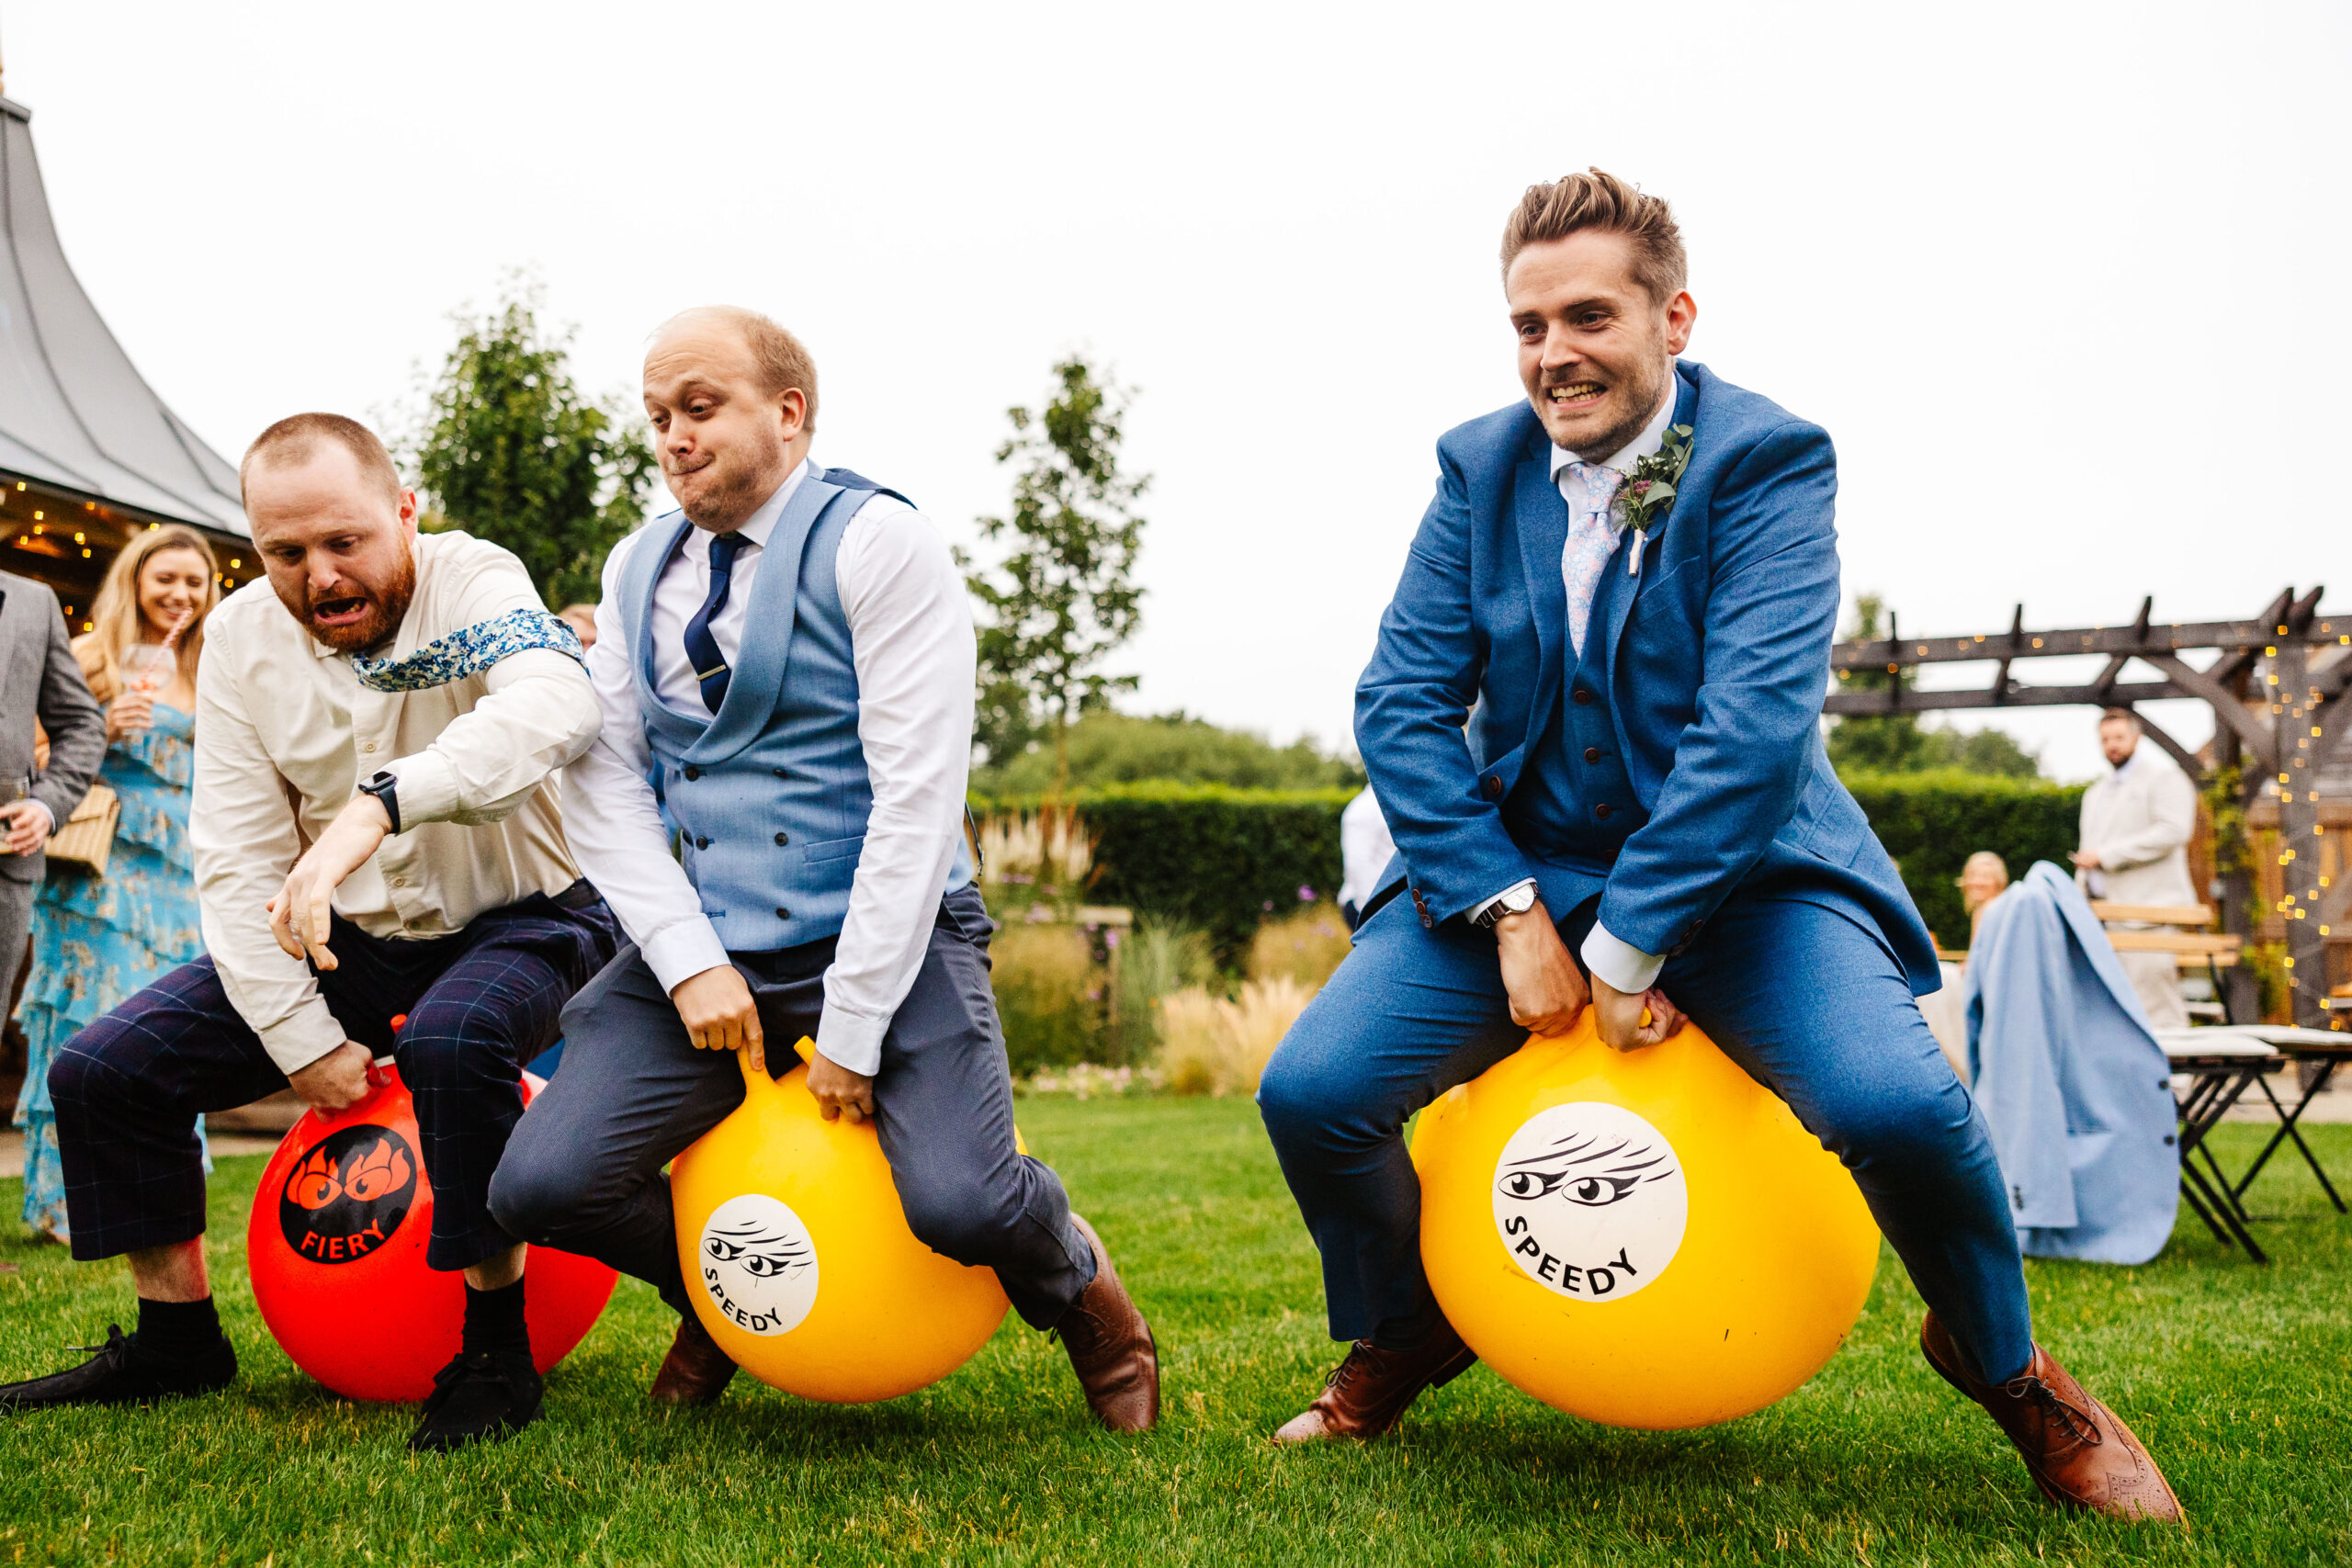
(1593, 719)
(785, 668)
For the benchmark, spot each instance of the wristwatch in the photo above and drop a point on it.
(382, 786)
(1511, 901)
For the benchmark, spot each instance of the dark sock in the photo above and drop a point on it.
(177, 1331)
(495, 1320)
(1397, 1334)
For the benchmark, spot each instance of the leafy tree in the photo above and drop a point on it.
(1108, 748)
(1061, 601)
(1898, 743)
(511, 451)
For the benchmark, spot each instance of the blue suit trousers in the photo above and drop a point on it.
(1799, 989)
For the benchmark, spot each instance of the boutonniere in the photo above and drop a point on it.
(1647, 494)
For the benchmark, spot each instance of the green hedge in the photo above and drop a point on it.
(1931, 822)
(1222, 859)
(1208, 855)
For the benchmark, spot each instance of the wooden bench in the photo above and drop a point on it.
(2191, 946)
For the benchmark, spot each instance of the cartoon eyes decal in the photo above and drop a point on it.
(319, 1180)
(759, 1265)
(1569, 1174)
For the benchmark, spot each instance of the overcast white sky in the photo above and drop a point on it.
(2065, 281)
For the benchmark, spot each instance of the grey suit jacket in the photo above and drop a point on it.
(40, 678)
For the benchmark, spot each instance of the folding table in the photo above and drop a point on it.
(2220, 1065)
(2325, 1048)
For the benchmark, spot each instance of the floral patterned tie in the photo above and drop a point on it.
(1589, 488)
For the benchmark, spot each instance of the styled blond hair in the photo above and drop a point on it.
(114, 614)
(1599, 200)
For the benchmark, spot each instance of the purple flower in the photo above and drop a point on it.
(1305, 895)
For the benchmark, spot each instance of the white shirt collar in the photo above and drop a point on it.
(763, 522)
(1651, 439)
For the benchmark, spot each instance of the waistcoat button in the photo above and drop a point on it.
(782, 914)
(1494, 787)
(783, 838)
(1602, 811)
(694, 773)
(1583, 695)
(705, 844)
(1592, 753)
(777, 772)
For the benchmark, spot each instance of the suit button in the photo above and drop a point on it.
(1583, 695)
(1592, 753)
(1602, 811)
(1493, 787)
(783, 838)
(694, 773)
(702, 843)
(777, 772)
(782, 914)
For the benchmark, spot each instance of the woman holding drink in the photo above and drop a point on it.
(98, 939)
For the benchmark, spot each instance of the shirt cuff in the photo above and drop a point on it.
(1483, 904)
(296, 1042)
(1623, 966)
(427, 790)
(681, 949)
(851, 1040)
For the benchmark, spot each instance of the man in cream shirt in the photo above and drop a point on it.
(374, 837)
(2136, 825)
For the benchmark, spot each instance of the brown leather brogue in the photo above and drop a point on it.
(1110, 1347)
(695, 1371)
(2079, 1452)
(1371, 1387)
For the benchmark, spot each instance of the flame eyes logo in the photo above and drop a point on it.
(348, 1194)
(1590, 1200)
(319, 1180)
(759, 1264)
(777, 1254)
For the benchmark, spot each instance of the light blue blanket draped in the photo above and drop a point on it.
(2072, 1081)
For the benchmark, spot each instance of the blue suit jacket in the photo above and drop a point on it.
(1715, 665)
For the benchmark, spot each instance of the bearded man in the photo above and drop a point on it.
(374, 836)
(1639, 817)
(789, 659)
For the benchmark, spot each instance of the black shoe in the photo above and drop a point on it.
(124, 1373)
(478, 1397)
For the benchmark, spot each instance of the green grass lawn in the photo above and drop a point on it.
(2239, 1377)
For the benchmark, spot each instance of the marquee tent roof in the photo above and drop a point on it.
(74, 414)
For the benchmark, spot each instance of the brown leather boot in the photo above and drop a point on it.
(1110, 1347)
(1373, 1386)
(2079, 1452)
(695, 1371)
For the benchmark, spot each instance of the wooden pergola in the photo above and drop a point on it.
(2274, 685)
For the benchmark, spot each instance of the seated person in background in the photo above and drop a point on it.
(1984, 878)
(581, 618)
(1365, 850)
(2136, 825)
(372, 837)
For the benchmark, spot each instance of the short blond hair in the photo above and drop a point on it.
(1599, 200)
(783, 360)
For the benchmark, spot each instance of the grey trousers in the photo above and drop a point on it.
(583, 1168)
(15, 930)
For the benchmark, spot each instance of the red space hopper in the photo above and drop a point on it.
(336, 1249)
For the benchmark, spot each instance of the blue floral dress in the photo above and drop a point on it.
(98, 939)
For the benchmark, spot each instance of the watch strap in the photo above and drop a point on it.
(385, 786)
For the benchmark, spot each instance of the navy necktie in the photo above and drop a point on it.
(702, 648)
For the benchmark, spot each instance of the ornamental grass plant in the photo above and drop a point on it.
(1217, 1046)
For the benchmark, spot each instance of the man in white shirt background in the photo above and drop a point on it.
(791, 657)
(373, 837)
(2137, 822)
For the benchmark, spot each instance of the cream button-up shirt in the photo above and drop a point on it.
(285, 731)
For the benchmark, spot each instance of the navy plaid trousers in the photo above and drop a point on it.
(480, 1002)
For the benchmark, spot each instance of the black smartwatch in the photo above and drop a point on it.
(384, 787)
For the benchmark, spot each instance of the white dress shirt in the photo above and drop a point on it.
(915, 654)
(1620, 963)
(1366, 849)
(284, 732)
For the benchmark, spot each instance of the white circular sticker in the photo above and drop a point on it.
(759, 1265)
(1591, 1201)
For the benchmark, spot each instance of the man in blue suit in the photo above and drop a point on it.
(1594, 718)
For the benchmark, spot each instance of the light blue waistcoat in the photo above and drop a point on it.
(771, 793)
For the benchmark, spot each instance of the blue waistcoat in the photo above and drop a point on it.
(1575, 805)
(770, 794)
